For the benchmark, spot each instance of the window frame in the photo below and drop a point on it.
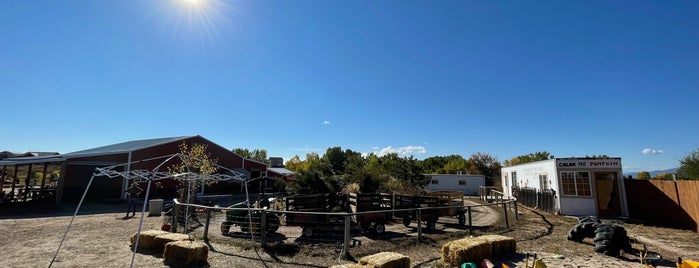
(580, 186)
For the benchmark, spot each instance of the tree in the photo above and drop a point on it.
(259, 155)
(336, 157)
(527, 158)
(664, 176)
(194, 159)
(643, 175)
(457, 165)
(488, 166)
(293, 164)
(689, 166)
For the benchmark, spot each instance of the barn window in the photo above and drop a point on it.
(514, 178)
(576, 183)
(435, 181)
(462, 182)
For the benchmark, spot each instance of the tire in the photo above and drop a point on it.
(365, 225)
(431, 225)
(462, 219)
(307, 232)
(273, 223)
(379, 228)
(406, 221)
(576, 234)
(225, 227)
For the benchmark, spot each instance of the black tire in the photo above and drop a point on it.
(603, 236)
(307, 232)
(576, 234)
(273, 223)
(588, 229)
(379, 228)
(462, 219)
(431, 225)
(406, 221)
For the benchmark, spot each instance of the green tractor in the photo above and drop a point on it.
(250, 220)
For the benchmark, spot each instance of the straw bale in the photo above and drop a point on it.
(160, 241)
(502, 245)
(467, 249)
(346, 265)
(147, 238)
(188, 252)
(385, 260)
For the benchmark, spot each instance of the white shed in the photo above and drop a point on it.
(468, 184)
(580, 186)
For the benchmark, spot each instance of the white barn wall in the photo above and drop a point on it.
(528, 175)
(450, 182)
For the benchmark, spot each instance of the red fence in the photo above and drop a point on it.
(665, 203)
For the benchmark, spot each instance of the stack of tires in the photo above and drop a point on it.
(585, 228)
(609, 239)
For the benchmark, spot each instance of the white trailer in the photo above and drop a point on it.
(468, 184)
(581, 186)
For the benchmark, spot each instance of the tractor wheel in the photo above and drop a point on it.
(379, 228)
(225, 227)
(462, 219)
(307, 232)
(406, 221)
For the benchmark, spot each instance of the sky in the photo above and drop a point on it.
(420, 78)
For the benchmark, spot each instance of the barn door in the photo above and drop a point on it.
(607, 186)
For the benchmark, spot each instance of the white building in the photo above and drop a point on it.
(468, 184)
(581, 186)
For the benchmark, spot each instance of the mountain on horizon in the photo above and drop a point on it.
(652, 173)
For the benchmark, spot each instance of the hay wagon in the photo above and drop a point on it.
(362, 202)
(454, 203)
(313, 223)
(428, 216)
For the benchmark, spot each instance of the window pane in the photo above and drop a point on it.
(567, 183)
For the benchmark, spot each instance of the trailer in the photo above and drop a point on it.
(454, 201)
(361, 202)
(250, 220)
(313, 223)
(428, 216)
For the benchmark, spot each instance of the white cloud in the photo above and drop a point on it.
(375, 148)
(402, 151)
(652, 151)
(326, 122)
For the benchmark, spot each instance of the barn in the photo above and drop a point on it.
(76, 168)
(468, 184)
(570, 186)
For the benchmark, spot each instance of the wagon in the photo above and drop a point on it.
(312, 223)
(454, 203)
(361, 202)
(428, 216)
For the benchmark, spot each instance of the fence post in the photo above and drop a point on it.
(516, 210)
(346, 245)
(206, 227)
(419, 225)
(263, 227)
(175, 213)
(504, 210)
(470, 222)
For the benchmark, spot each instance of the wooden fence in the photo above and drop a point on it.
(665, 203)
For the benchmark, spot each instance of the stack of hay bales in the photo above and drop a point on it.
(384, 260)
(175, 247)
(476, 249)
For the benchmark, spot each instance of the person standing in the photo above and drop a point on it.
(132, 196)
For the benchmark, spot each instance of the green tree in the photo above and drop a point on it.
(293, 164)
(259, 155)
(643, 175)
(457, 165)
(689, 166)
(194, 159)
(488, 166)
(336, 157)
(664, 176)
(527, 158)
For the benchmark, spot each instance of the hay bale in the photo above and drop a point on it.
(188, 252)
(466, 249)
(160, 241)
(385, 260)
(146, 239)
(502, 245)
(346, 265)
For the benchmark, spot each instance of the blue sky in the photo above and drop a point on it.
(426, 78)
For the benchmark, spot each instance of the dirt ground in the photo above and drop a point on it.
(99, 238)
